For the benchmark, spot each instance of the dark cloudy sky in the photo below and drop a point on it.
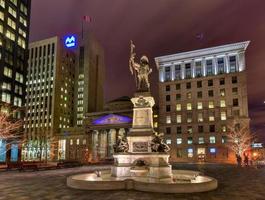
(160, 27)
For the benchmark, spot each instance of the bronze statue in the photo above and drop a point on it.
(121, 145)
(158, 145)
(141, 70)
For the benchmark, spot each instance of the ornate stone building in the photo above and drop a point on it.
(200, 93)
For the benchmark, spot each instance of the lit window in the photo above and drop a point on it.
(201, 140)
(168, 119)
(6, 97)
(6, 86)
(213, 150)
(2, 16)
(189, 117)
(199, 105)
(77, 141)
(223, 128)
(21, 42)
(14, 2)
(23, 21)
(211, 104)
(23, 9)
(10, 35)
(12, 12)
(168, 141)
(178, 107)
(11, 23)
(155, 124)
(17, 101)
(189, 95)
(179, 140)
(223, 115)
(211, 116)
(2, 3)
(84, 141)
(189, 106)
(19, 77)
(212, 139)
(8, 72)
(200, 117)
(222, 103)
(222, 92)
(178, 118)
(71, 142)
(190, 152)
(189, 140)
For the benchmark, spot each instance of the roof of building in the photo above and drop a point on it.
(240, 46)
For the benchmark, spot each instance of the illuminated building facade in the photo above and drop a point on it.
(200, 93)
(50, 95)
(14, 35)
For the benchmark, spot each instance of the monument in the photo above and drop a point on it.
(141, 159)
(146, 152)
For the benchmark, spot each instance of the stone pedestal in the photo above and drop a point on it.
(140, 160)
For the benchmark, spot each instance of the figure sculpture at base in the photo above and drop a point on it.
(158, 144)
(121, 145)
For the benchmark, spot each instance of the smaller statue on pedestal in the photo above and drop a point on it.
(158, 145)
(141, 70)
(121, 145)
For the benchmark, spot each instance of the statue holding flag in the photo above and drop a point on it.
(141, 70)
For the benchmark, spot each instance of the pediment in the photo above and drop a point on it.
(112, 119)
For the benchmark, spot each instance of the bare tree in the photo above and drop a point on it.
(239, 137)
(9, 127)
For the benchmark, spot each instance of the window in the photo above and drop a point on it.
(168, 130)
(168, 141)
(210, 83)
(10, 35)
(14, 2)
(212, 139)
(6, 86)
(232, 62)
(212, 128)
(222, 103)
(188, 70)
(189, 129)
(2, 3)
(178, 107)
(223, 115)
(201, 140)
(212, 150)
(12, 12)
(209, 67)
(189, 95)
(224, 139)
(167, 87)
(179, 140)
(222, 81)
(6, 97)
(178, 118)
(177, 72)
(222, 92)
(23, 9)
(23, 21)
(178, 96)
(8, 72)
(17, 101)
(167, 97)
(11, 23)
(189, 140)
(189, 106)
(84, 141)
(167, 74)
(234, 79)
(178, 86)
(21, 42)
(19, 77)
(210, 93)
(234, 91)
(199, 105)
(235, 102)
(223, 128)
(200, 117)
(220, 65)
(188, 85)
(211, 104)
(189, 117)
(167, 108)
(179, 131)
(200, 129)
(190, 152)
(199, 94)
(168, 119)
(199, 84)
(211, 116)
(198, 66)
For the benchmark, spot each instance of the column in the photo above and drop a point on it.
(203, 66)
(226, 62)
(193, 69)
(182, 70)
(241, 63)
(161, 74)
(95, 145)
(215, 70)
(172, 72)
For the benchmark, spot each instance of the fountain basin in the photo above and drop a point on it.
(183, 181)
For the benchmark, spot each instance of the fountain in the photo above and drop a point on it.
(141, 160)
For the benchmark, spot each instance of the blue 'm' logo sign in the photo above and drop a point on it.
(70, 41)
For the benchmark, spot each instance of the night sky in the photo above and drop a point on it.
(161, 27)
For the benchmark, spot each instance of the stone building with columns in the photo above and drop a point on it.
(201, 92)
(94, 141)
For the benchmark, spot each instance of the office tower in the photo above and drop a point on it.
(201, 93)
(14, 34)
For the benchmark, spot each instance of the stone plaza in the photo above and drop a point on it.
(234, 183)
